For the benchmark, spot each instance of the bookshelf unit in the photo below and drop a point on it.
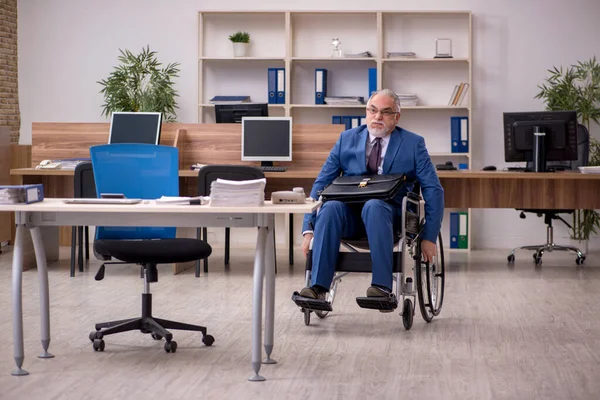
(300, 41)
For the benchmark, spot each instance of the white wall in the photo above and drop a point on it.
(66, 46)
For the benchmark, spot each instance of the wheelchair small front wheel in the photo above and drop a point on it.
(321, 314)
(407, 314)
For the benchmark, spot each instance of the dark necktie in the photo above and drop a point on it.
(374, 157)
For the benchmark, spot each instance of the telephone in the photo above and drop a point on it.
(49, 164)
(295, 196)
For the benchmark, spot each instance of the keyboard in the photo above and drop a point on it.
(273, 168)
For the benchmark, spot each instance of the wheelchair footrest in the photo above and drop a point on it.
(381, 303)
(311, 304)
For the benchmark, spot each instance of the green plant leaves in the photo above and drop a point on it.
(140, 84)
(240, 37)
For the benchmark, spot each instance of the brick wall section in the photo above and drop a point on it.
(9, 93)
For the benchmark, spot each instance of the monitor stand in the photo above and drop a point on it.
(266, 163)
(539, 150)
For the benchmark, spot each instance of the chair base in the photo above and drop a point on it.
(146, 324)
(549, 246)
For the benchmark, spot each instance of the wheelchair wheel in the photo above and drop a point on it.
(431, 279)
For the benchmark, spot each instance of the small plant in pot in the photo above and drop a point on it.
(240, 42)
(577, 87)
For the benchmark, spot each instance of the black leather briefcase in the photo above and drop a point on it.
(361, 188)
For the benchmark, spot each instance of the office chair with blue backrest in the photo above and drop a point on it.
(84, 187)
(583, 154)
(148, 172)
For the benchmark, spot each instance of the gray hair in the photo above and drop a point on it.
(388, 93)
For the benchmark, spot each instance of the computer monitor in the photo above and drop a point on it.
(233, 113)
(266, 139)
(540, 136)
(135, 127)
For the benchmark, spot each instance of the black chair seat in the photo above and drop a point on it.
(160, 251)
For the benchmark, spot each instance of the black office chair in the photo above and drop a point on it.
(84, 187)
(583, 150)
(148, 172)
(206, 176)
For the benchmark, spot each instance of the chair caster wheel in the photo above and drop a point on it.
(538, 260)
(306, 317)
(208, 340)
(95, 335)
(156, 336)
(98, 345)
(171, 347)
(511, 258)
(580, 260)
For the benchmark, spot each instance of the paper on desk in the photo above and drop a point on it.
(181, 200)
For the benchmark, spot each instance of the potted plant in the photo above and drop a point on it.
(578, 88)
(240, 42)
(140, 84)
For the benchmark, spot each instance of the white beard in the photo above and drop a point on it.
(378, 132)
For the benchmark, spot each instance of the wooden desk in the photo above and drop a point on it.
(500, 189)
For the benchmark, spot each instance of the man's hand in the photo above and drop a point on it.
(428, 250)
(306, 243)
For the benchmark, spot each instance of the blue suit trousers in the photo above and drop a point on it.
(336, 220)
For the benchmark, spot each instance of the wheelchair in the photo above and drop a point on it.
(430, 276)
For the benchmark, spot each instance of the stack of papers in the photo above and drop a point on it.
(408, 99)
(229, 100)
(359, 55)
(344, 100)
(202, 200)
(590, 170)
(226, 193)
(401, 54)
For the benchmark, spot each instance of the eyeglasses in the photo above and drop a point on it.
(384, 113)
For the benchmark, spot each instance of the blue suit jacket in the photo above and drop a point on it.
(406, 153)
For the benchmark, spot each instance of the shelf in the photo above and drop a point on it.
(448, 154)
(281, 59)
(252, 102)
(328, 106)
(457, 250)
(443, 60)
(334, 59)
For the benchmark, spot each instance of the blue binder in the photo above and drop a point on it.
(455, 124)
(347, 120)
(320, 85)
(336, 119)
(272, 85)
(280, 86)
(454, 230)
(372, 81)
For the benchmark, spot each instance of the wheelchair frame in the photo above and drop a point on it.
(430, 277)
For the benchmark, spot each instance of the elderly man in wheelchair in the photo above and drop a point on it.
(370, 154)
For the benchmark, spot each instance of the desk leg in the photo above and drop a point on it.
(291, 240)
(42, 267)
(17, 284)
(259, 259)
(270, 291)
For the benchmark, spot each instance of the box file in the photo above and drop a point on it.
(280, 86)
(463, 230)
(272, 85)
(459, 134)
(372, 81)
(454, 230)
(320, 85)
(21, 194)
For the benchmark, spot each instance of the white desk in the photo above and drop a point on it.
(53, 212)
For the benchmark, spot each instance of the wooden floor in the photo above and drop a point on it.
(504, 333)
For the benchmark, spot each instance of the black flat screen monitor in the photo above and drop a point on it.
(135, 127)
(267, 139)
(233, 113)
(560, 139)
